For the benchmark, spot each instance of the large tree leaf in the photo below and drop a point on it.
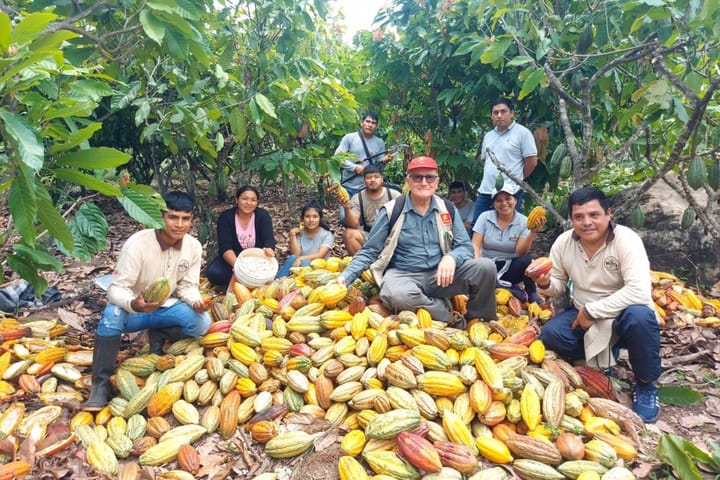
(670, 450)
(31, 27)
(120, 101)
(28, 270)
(95, 89)
(89, 229)
(23, 138)
(141, 208)
(72, 109)
(153, 27)
(23, 206)
(176, 43)
(265, 104)
(5, 29)
(50, 218)
(94, 158)
(80, 136)
(53, 40)
(88, 181)
(672, 395)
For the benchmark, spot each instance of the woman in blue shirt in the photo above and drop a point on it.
(501, 234)
(313, 240)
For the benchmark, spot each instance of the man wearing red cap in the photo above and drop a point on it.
(424, 257)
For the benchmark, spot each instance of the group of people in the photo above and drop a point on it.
(419, 251)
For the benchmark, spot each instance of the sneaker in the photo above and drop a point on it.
(645, 402)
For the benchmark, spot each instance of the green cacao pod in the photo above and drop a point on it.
(688, 218)
(696, 173)
(559, 153)
(637, 217)
(566, 167)
(157, 291)
(499, 182)
(585, 39)
(713, 175)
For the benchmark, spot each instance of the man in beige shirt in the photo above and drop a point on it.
(612, 306)
(146, 256)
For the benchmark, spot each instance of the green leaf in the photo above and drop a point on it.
(81, 136)
(89, 228)
(23, 206)
(94, 89)
(53, 40)
(28, 270)
(75, 109)
(238, 125)
(532, 81)
(671, 452)
(519, 61)
(265, 104)
(143, 110)
(51, 219)
(141, 208)
(679, 396)
(88, 181)
(153, 27)
(31, 27)
(5, 29)
(176, 43)
(94, 158)
(118, 102)
(23, 138)
(39, 256)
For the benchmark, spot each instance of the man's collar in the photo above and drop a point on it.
(164, 245)
(507, 129)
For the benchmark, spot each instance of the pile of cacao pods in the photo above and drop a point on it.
(679, 306)
(415, 399)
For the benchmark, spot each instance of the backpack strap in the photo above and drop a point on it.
(362, 208)
(400, 203)
(362, 139)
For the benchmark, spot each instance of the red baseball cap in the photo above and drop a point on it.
(422, 162)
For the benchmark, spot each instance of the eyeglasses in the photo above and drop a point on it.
(420, 178)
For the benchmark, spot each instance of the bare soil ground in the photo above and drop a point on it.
(691, 357)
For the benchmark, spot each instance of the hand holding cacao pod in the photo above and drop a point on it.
(536, 218)
(539, 267)
(341, 195)
(157, 291)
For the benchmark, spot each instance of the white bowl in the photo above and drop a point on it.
(254, 269)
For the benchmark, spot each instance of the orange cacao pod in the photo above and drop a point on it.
(419, 452)
(188, 459)
(523, 446)
(229, 414)
(596, 384)
(570, 446)
(264, 430)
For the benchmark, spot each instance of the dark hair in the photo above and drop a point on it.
(502, 100)
(370, 114)
(313, 205)
(457, 184)
(587, 194)
(372, 168)
(179, 201)
(247, 188)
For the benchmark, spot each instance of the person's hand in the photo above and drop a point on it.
(139, 304)
(340, 280)
(542, 280)
(359, 169)
(269, 252)
(540, 223)
(297, 262)
(446, 271)
(201, 306)
(582, 320)
(294, 232)
(387, 158)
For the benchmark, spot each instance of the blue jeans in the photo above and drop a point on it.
(636, 329)
(285, 269)
(483, 203)
(115, 320)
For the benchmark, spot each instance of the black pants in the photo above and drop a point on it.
(219, 272)
(516, 273)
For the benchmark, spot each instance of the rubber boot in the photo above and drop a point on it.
(158, 336)
(104, 357)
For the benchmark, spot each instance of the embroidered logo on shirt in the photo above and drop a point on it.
(446, 218)
(612, 264)
(183, 266)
